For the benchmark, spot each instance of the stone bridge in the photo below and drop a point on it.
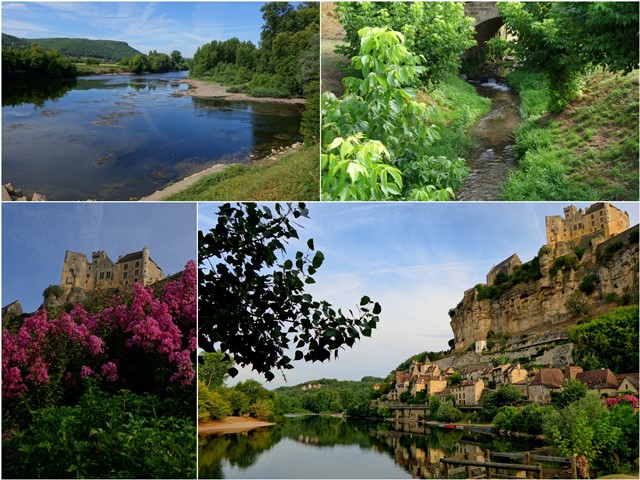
(487, 23)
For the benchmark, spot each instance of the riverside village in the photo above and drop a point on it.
(540, 379)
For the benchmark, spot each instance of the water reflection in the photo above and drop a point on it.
(34, 92)
(345, 448)
(118, 137)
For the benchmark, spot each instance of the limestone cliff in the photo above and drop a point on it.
(569, 281)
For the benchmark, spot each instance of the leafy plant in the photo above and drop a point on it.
(381, 106)
(356, 170)
(252, 299)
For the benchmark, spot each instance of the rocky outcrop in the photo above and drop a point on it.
(12, 194)
(556, 297)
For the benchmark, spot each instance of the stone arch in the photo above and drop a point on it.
(487, 22)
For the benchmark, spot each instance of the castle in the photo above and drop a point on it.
(600, 219)
(102, 273)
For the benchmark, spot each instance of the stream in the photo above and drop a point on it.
(491, 159)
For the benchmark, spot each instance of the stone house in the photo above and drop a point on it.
(505, 267)
(468, 392)
(101, 273)
(403, 380)
(571, 372)
(546, 381)
(603, 380)
(513, 374)
(628, 383)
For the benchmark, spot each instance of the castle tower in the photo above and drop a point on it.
(600, 219)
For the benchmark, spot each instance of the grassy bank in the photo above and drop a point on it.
(456, 106)
(589, 151)
(102, 69)
(295, 176)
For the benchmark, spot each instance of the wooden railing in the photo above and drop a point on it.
(483, 469)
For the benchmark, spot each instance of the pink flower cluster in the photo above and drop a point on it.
(78, 346)
(630, 399)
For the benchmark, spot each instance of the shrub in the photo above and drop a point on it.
(564, 262)
(606, 254)
(588, 284)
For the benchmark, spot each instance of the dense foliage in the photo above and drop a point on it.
(35, 62)
(155, 62)
(439, 31)
(109, 50)
(252, 300)
(527, 272)
(58, 372)
(328, 396)
(609, 341)
(566, 39)
(285, 64)
(381, 107)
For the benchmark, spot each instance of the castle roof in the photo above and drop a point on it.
(130, 257)
(595, 207)
(506, 262)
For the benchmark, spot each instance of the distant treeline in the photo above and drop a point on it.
(285, 64)
(155, 62)
(106, 50)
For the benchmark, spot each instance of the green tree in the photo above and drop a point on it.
(434, 406)
(572, 391)
(138, 63)
(609, 341)
(214, 369)
(253, 304)
(438, 31)
(565, 39)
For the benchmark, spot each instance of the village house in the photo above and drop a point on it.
(603, 380)
(468, 392)
(628, 383)
(403, 380)
(513, 374)
(546, 381)
(571, 372)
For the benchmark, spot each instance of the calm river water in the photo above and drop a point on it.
(123, 136)
(327, 447)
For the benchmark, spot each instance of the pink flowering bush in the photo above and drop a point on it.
(630, 399)
(143, 343)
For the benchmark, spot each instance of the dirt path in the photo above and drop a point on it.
(203, 89)
(230, 425)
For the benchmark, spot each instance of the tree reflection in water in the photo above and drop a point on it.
(417, 451)
(36, 92)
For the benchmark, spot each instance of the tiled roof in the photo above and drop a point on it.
(598, 379)
(550, 377)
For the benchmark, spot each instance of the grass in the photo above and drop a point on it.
(587, 152)
(456, 106)
(103, 68)
(295, 176)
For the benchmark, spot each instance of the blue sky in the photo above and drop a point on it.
(35, 237)
(162, 26)
(416, 260)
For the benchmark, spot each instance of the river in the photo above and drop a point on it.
(117, 137)
(491, 159)
(327, 447)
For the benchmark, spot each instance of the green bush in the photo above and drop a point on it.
(119, 436)
(588, 284)
(606, 254)
(565, 262)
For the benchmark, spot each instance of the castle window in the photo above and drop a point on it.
(126, 266)
(88, 275)
(137, 264)
(125, 275)
(136, 272)
(108, 274)
(101, 275)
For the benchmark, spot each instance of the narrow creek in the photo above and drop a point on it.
(491, 159)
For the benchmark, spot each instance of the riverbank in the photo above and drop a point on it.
(589, 151)
(285, 175)
(203, 89)
(231, 425)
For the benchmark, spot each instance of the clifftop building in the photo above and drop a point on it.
(599, 219)
(103, 273)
